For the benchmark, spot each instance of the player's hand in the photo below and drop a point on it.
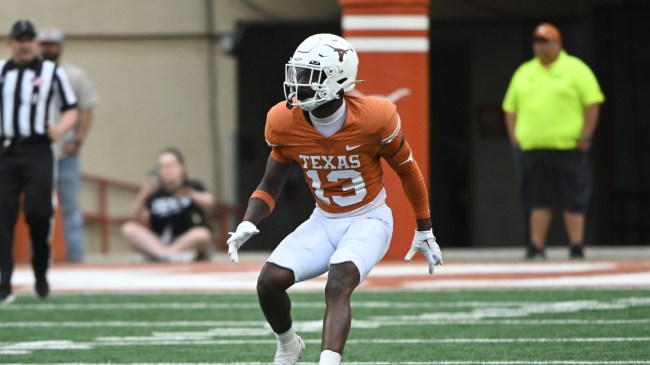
(245, 230)
(425, 242)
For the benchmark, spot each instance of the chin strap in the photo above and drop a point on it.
(289, 97)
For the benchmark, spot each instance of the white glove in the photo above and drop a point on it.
(425, 242)
(245, 230)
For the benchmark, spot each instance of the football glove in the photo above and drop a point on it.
(425, 242)
(245, 230)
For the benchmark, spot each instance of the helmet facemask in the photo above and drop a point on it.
(311, 85)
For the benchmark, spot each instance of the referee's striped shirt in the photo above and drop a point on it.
(28, 95)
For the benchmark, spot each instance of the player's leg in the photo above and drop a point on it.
(302, 255)
(142, 239)
(362, 246)
(342, 279)
(272, 286)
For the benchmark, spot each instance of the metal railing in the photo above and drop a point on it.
(224, 213)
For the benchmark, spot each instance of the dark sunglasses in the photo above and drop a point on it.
(540, 40)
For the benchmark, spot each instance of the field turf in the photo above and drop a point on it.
(491, 327)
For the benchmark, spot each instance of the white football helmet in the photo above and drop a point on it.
(323, 67)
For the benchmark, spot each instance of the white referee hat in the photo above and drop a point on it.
(53, 35)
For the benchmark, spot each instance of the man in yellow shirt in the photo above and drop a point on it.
(552, 107)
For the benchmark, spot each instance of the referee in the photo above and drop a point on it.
(29, 90)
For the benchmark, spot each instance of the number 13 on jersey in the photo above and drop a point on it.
(345, 179)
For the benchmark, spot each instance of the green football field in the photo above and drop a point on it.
(596, 326)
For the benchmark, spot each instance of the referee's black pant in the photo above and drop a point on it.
(26, 166)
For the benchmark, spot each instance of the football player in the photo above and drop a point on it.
(338, 140)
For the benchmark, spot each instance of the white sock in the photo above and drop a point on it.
(288, 338)
(328, 357)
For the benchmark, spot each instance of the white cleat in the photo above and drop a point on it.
(290, 355)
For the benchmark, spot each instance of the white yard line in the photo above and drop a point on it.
(248, 305)
(168, 339)
(532, 306)
(162, 341)
(496, 362)
(629, 280)
(494, 268)
(208, 324)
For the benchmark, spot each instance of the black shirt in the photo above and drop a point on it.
(177, 214)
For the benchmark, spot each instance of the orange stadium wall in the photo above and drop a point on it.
(22, 242)
(391, 38)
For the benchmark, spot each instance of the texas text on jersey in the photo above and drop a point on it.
(345, 169)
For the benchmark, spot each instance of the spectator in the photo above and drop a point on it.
(67, 149)
(552, 107)
(169, 213)
(26, 162)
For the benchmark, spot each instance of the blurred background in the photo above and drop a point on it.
(200, 75)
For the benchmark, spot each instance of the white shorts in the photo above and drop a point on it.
(322, 241)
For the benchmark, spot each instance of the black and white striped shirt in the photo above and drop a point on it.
(27, 96)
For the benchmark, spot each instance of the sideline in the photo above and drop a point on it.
(226, 277)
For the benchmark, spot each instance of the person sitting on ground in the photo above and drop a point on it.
(169, 214)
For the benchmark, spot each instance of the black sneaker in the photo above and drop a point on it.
(6, 296)
(42, 289)
(576, 252)
(532, 252)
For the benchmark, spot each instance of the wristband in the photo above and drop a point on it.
(264, 196)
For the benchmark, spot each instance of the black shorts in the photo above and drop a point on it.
(550, 178)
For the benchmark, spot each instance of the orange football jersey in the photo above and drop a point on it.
(344, 170)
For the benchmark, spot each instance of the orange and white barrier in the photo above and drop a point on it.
(391, 38)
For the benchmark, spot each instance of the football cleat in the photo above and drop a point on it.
(289, 355)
